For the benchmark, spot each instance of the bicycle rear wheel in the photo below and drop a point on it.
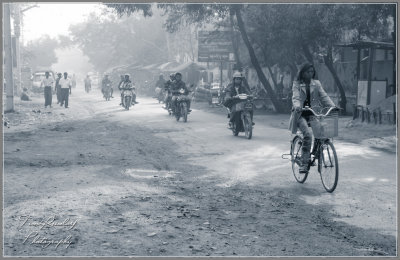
(328, 166)
(295, 152)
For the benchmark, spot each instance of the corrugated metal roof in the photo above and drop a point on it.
(368, 44)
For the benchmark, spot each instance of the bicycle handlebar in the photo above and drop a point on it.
(323, 115)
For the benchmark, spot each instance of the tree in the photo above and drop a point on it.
(113, 41)
(278, 105)
(287, 34)
(179, 15)
(285, 37)
(40, 52)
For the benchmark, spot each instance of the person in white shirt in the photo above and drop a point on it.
(48, 83)
(66, 85)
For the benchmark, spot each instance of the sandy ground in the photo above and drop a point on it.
(138, 183)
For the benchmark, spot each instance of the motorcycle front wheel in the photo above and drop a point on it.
(184, 111)
(127, 102)
(248, 126)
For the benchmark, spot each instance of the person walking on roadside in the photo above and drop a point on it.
(58, 88)
(66, 85)
(48, 83)
(88, 84)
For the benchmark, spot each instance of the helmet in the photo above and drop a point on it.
(172, 75)
(237, 75)
(178, 73)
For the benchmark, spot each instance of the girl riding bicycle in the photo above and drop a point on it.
(307, 92)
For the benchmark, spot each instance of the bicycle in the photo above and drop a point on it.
(324, 127)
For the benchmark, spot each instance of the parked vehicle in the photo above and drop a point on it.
(215, 93)
(37, 78)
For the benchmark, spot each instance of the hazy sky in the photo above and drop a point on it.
(54, 18)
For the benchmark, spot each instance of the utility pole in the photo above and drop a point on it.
(17, 34)
(8, 68)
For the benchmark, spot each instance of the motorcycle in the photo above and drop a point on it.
(107, 92)
(167, 98)
(215, 94)
(127, 98)
(242, 121)
(160, 95)
(181, 109)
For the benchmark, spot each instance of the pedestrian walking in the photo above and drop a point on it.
(48, 83)
(66, 85)
(58, 88)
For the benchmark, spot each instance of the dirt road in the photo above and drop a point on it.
(95, 180)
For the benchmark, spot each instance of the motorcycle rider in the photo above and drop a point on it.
(122, 79)
(167, 89)
(235, 88)
(127, 85)
(160, 84)
(175, 87)
(104, 83)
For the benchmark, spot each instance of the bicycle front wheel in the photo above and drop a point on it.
(328, 166)
(295, 152)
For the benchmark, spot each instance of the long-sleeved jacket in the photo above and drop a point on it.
(177, 85)
(230, 91)
(318, 97)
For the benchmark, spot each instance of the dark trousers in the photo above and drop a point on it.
(64, 96)
(47, 96)
(58, 90)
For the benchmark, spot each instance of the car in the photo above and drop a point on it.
(37, 78)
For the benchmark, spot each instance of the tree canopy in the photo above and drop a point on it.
(40, 52)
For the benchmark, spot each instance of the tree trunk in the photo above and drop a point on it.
(234, 42)
(329, 63)
(8, 58)
(277, 105)
(268, 67)
(293, 70)
(307, 53)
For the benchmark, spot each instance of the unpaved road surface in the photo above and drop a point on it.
(96, 180)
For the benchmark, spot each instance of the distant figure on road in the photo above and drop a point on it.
(73, 80)
(48, 83)
(122, 79)
(88, 84)
(66, 86)
(105, 84)
(127, 85)
(160, 83)
(58, 88)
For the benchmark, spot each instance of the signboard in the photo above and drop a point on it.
(214, 46)
(378, 91)
(362, 93)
